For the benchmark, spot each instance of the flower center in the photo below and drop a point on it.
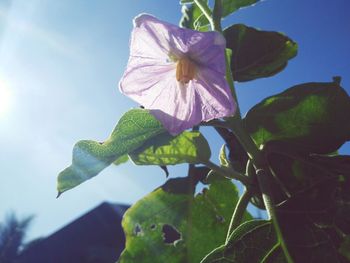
(185, 70)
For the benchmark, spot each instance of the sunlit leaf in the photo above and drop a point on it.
(223, 158)
(257, 53)
(193, 18)
(230, 6)
(188, 147)
(122, 159)
(91, 157)
(177, 226)
(312, 115)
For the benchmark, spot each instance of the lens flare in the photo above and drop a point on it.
(5, 99)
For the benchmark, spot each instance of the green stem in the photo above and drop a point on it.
(270, 208)
(229, 173)
(217, 14)
(239, 212)
(263, 180)
(206, 11)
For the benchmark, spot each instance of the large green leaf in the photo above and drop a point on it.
(91, 157)
(315, 216)
(312, 115)
(172, 225)
(255, 242)
(256, 53)
(252, 242)
(188, 147)
(230, 6)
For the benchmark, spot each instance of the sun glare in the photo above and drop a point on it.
(5, 99)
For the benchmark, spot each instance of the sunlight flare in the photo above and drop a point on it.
(5, 98)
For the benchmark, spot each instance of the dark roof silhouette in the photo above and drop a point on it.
(96, 237)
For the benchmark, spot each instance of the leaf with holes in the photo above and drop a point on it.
(256, 53)
(188, 147)
(91, 157)
(176, 225)
(311, 115)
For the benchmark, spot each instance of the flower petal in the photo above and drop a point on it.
(178, 108)
(208, 49)
(152, 38)
(150, 78)
(215, 94)
(144, 80)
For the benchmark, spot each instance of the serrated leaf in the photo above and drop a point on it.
(188, 147)
(91, 157)
(310, 115)
(257, 53)
(176, 225)
(230, 6)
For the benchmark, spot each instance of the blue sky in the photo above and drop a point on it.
(60, 63)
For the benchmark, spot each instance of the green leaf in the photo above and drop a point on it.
(345, 248)
(91, 157)
(172, 225)
(315, 215)
(223, 157)
(230, 6)
(311, 115)
(121, 159)
(253, 241)
(256, 53)
(188, 147)
(193, 18)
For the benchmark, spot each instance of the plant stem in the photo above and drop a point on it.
(239, 212)
(265, 189)
(206, 11)
(249, 145)
(230, 173)
(217, 14)
(263, 180)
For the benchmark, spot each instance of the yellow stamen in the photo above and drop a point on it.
(185, 70)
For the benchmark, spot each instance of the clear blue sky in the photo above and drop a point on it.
(60, 63)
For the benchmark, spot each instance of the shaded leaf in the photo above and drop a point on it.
(316, 213)
(345, 248)
(252, 241)
(237, 156)
(177, 226)
(310, 115)
(91, 157)
(188, 147)
(256, 53)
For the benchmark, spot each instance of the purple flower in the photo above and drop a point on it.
(177, 73)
